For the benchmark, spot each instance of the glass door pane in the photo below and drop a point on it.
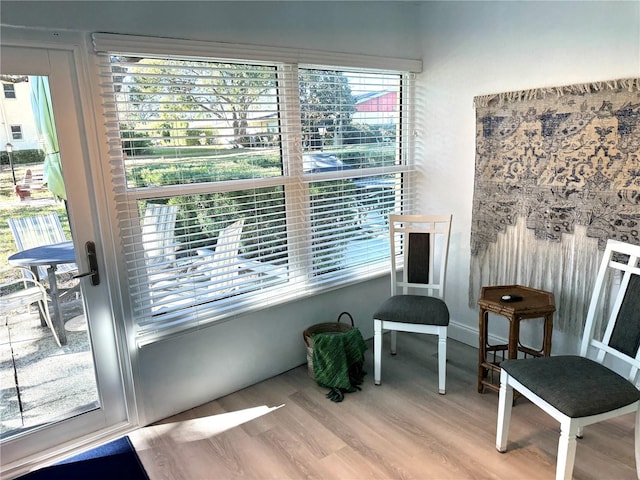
(47, 371)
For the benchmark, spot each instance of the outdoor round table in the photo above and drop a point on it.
(49, 256)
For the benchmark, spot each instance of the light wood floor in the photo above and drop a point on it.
(401, 429)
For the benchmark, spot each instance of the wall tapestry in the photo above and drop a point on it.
(557, 175)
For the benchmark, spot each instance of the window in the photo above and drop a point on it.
(244, 183)
(9, 90)
(16, 132)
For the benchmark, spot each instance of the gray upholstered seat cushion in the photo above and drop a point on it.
(414, 309)
(577, 386)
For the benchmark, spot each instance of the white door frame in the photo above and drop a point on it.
(62, 57)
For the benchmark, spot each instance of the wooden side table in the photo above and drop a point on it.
(534, 304)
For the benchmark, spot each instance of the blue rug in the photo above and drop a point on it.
(113, 460)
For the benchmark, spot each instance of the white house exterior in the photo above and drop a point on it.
(16, 118)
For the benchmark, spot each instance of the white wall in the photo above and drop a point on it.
(477, 48)
(373, 28)
(468, 49)
(193, 369)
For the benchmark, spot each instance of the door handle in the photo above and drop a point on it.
(90, 249)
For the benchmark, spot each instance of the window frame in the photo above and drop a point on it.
(294, 181)
(9, 91)
(16, 132)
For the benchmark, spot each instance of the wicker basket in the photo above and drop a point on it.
(328, 327)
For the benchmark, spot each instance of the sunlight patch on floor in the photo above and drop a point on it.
(206, 427)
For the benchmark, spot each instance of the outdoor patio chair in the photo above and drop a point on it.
(416, 303)
(158, 235)
(23, 293)
(221, 265)
(29, 232)
(213, 273)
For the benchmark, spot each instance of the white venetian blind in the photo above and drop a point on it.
(240, 184)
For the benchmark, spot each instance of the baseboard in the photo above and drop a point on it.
(470, 336)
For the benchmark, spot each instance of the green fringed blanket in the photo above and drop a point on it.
(337, 362)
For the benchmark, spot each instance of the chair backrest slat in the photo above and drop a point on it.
(626, 332)
(620, 269)
(418, 261)
(222, 265)
(423, 241)
(158, 234)
(29, 232)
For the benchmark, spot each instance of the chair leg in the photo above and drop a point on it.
(637, 442)
(45, 313)
(377, 350)
(505, 403)
(566, 450)
(442, 360)
(394, 341)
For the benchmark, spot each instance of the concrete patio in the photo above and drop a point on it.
(39, 381)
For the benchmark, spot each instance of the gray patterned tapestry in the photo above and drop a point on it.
(557, 175)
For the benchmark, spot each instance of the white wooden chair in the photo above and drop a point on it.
(583, 389)
(416, 303)
(23, 293)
